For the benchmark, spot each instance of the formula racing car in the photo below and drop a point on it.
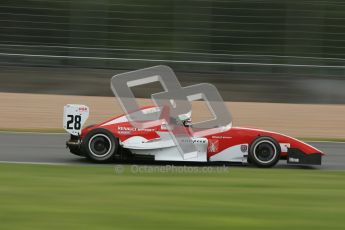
(118, 139)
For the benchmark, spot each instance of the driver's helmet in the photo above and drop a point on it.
(185, 120)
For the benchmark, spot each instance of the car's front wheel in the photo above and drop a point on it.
(264, 152)
(100, 145)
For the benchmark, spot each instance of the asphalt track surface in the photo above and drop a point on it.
(50, 149)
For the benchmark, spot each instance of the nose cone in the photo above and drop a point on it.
(309, 149)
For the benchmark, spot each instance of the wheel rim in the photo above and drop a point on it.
(100, 145)
(265, 152)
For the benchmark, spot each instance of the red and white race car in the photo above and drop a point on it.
(117, 139)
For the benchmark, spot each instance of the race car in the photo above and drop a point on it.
(118, 139)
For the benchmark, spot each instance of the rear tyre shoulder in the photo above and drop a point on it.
(100, 145)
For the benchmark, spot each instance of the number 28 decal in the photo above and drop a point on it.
(74, 118)
(74, 122)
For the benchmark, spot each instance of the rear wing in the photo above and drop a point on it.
(74, 117)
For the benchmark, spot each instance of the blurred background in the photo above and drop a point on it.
(252, 50)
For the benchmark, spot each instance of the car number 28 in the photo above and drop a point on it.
(74, 122)
(74, 118)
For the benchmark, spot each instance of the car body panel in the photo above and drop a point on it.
(232, 145)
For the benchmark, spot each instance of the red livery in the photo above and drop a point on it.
(118, 139)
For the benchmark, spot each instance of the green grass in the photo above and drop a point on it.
(336, 139)
(95, 197)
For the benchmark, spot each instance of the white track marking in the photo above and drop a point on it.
(37, 163)
(53, 164)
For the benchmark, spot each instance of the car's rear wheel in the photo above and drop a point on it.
(100, 145)
(264, 152)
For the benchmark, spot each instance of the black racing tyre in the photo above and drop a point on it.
(264, 152)
(75, 150)
(100, 145)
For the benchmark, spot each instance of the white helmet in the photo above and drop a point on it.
(185, 120)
